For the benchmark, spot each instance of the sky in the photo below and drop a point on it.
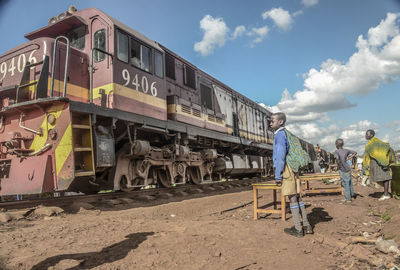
(332, 66)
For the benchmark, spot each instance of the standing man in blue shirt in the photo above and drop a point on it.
(284, 176)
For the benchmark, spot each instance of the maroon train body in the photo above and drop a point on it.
(89, 103)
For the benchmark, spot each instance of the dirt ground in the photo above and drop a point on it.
(193, 234)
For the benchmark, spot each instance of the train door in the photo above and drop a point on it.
(100, 39)
(225, 101)
(242, 118)
(259, 126)
(235, 117)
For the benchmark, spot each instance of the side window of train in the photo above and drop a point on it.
(190, 78)
(170, 66)
(99, 40)
(206, 98)
(122, 45)
(77, 37)
(158, 64)
(140, 55)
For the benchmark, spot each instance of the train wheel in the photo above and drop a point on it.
(195, 175)
(124, 184)
(164, 178)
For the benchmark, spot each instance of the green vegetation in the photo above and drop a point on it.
(389, 237)
(105, 191)
(326, 181)
(386, 216)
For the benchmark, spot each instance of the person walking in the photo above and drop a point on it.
(343, 156)
(377, 158)
(287, 150)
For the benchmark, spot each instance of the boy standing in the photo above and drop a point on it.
(284, 175)
(343, 156)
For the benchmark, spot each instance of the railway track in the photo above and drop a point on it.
(143, 195)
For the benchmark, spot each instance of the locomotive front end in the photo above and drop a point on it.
(33, 125)
(35, 120)
(33, 143)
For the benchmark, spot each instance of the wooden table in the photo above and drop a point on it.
(274, 188)
(307, 178)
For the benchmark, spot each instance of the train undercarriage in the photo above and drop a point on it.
(55, 145)
(148, 155)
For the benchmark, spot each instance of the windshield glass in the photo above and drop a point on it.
(77, 37)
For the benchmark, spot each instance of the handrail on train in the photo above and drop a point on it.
(54, 66)
(40, 132)
(92, 68)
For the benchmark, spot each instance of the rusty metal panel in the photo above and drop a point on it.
(105, 150)
(241, 112)
(240, 161)
(36, 176)
(225, 102)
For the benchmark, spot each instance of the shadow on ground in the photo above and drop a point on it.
(90, 260)
(376, 194)
(3, 264)
(317, 215)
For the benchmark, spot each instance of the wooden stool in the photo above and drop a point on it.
(274, 188)
(307, 178)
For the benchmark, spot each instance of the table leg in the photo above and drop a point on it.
(283, 206)
(255, 202)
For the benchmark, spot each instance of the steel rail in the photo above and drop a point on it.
(137, 194)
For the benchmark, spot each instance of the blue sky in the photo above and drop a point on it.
(332, 66)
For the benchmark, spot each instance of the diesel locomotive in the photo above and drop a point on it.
(89, 104)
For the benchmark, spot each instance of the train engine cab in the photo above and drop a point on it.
(44, 145)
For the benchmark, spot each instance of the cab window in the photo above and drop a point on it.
(170, 66)
(77, 37)
(99, 43)
(140, 56)
(158, 64)
(190, 79)
(206, 97)
(122, 44)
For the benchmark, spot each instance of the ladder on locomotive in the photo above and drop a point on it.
(82, 141)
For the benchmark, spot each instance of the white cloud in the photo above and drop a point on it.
(394, 125)
(376, 61)
(394, 140)
(260, 33)
(215, 35)
(309, 3)
(239, 31)
(394, 134)
(353, 135)
(298, 13)
(385, 30)
(280, 16)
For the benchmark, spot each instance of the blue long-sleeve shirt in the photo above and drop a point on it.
(281, 148)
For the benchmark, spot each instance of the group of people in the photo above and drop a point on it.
(288, 157)
(377, 157)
